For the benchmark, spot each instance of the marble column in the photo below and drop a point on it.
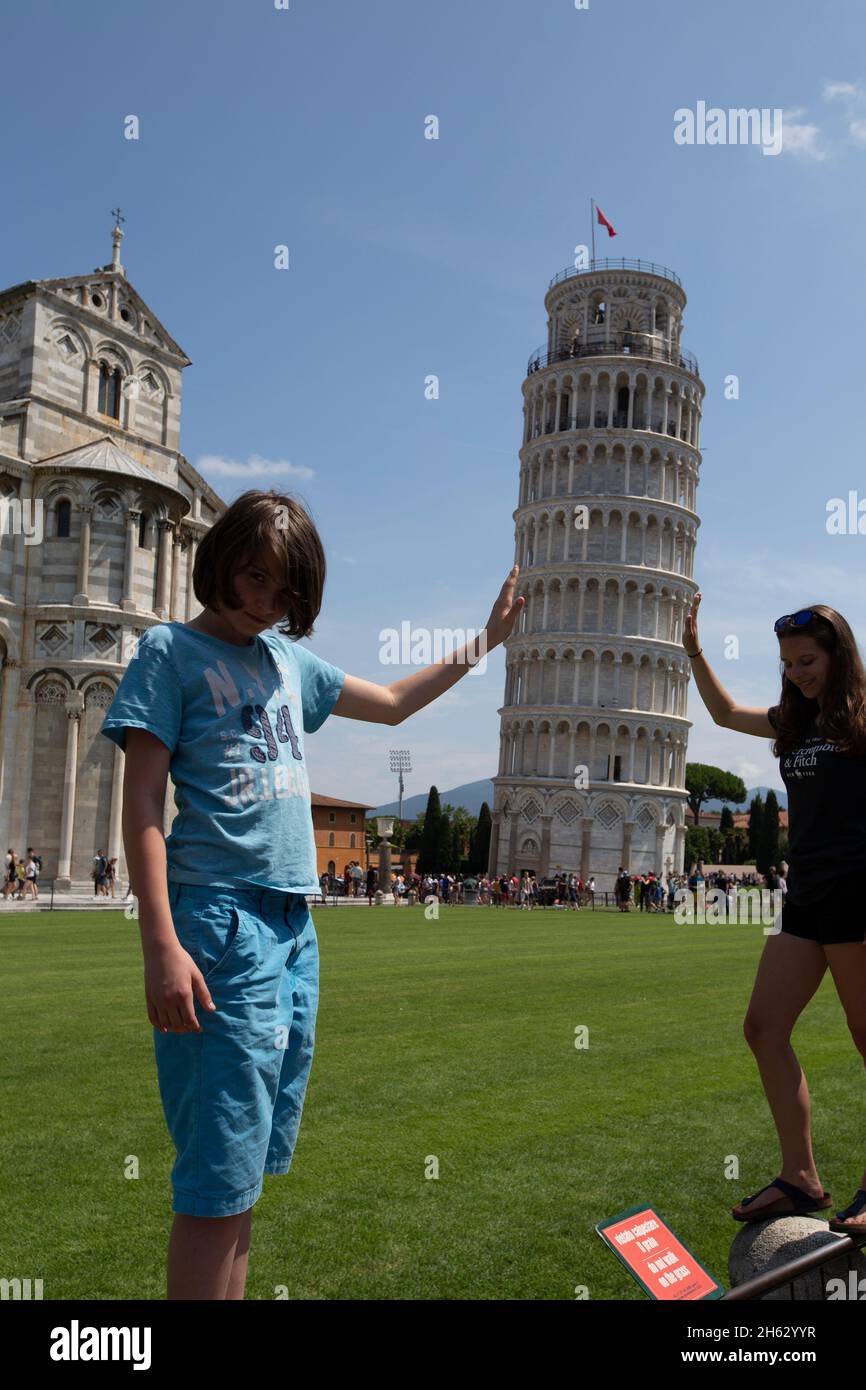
(544, 861)
(163, 567)
(175, 572)
(493, 856)
(81, 597)
(627, 832)
(132, 523)
(10, 677)
(115, 814)
(74, 708)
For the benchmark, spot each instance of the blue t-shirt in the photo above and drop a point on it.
(234, 719)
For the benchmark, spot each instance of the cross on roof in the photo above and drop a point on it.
(117, 215)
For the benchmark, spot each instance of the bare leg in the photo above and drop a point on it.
(790, 971)
(238, 1277)
(201, 1253)
(848, 968)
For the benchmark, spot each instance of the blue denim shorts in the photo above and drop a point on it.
(233, 1093)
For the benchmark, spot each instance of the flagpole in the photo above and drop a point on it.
(592, 226)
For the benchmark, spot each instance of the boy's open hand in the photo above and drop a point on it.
(171, 979)
(505, 612)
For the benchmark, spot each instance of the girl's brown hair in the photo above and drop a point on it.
(843, 700)
(255, 525)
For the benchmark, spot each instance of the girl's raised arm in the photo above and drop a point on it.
(717, 700)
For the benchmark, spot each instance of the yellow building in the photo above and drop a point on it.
(339, 829)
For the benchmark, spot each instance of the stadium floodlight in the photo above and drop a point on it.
(401, 761)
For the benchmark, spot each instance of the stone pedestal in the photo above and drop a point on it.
(762, 1246)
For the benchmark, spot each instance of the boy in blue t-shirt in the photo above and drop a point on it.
(222, 704)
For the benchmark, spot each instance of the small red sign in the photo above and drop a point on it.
(660, 1262)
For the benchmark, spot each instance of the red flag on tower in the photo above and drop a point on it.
(604, 222)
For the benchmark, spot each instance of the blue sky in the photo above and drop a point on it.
(409, 256)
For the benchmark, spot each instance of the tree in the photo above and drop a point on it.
(414, 833)
(756, 821)
(735, 847)
(430, 835)
(444, 845)
(462, 823)
(457, 846)
(706, 783)
(697, 846)
(479, 845)
(726, 824)
(768, 839)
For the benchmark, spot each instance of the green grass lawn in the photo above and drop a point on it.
(453, 1039)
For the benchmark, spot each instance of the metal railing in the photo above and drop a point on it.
(786, 1273)
(607, 263)
(619, 422)
(619, 345)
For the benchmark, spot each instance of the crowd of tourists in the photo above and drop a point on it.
(22, 872)
(104, 875)
(647, 892)
(21, 875)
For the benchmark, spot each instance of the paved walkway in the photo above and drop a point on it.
(85, 900)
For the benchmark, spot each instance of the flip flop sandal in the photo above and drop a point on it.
(838, 1223)
(796, 1202)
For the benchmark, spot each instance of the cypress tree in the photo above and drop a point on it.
(430, 835)
(480, 851)
(768, 852)
(756, 821)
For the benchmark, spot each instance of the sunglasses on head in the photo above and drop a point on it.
(805, 615)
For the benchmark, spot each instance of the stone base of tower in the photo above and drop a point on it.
(554, 830)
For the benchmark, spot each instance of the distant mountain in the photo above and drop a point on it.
(716, 805)
(471, 794)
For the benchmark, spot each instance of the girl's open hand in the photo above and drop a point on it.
(691, 642)
(505, 611)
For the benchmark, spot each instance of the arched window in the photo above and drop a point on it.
(331, 840)
(142, 529)
(63, 512)
(351, 842)
(110, 380)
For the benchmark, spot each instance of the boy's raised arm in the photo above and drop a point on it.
(391, 704)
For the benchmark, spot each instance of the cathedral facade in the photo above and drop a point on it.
(100, 518)
(593, 732)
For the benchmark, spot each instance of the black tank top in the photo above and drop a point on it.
(826, 814)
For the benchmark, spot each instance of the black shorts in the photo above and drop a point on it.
(836, 919)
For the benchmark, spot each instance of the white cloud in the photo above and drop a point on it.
(255, 467)
(853, 97)
(800, 137)
(833, 91)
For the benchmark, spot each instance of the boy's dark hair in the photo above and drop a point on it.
(259, 523)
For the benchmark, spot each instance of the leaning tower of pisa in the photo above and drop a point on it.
(593, 729)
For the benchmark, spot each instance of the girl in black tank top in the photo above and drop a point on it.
(819, 729)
